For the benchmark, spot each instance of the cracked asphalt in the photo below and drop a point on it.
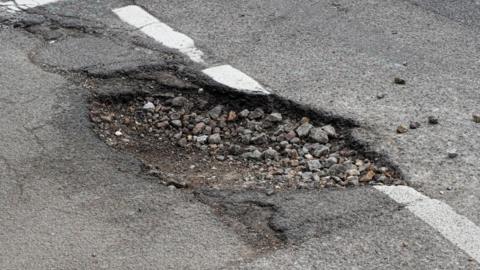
(68, 201)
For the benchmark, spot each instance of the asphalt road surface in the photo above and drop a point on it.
(68, 201)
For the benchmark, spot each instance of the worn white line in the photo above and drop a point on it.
(234, 78)
(9, 7)
(164, 34)
(456, 228)
(18, 5)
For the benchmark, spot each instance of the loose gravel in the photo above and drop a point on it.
(220, 145)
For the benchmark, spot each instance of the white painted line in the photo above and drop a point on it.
(19, 5)
(234, 78)
(456, 228)
(152, 27)
(9, 7)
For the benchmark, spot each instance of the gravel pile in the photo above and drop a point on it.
(279, 150)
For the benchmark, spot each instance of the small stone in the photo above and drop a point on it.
(337, 169)
(118, 133)
(254, 155)
(381, 95)
(414, 125)
(232, 116)
(330, 130)
(331, 161)
(367, 177)
(400, 81)
(199, 127)
(256, 114)
(220, 157)
(290, 135)
(353, 172)
(314, 165)
(307, 176)
(176, 123)
(216, 112)
(149, 106)
(476, 117)
(201, 90)
(353, 180)
(179, 101)
(432, 120)
(402, 129)
(271, 154)
(260, 139)
(309, 156)
(244, 113)
(182, 142)
(304, 129)
(214, 139)
(452, 153)
(274, 117)
(321, 151)
(319, 135)
(201, 139)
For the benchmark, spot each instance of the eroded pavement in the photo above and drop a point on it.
(69, 201)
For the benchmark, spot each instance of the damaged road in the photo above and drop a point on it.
(71, 201)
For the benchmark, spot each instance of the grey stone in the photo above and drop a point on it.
(176, 123)
(314, 165)
(271, 154)
(304, 129)
(254, 155)
(179, 101)
(319, 135)
(274, 117)
(330, 161)
(201, 139)
(215, 139)
(321, 151)
(244, 113)
(149, 106)
(330, 130)
(216, 112)
(256, 114)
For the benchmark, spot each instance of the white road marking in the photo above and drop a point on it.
(151, 26)
(456, 228)
(18, 5)
(236, 79)
(9, 7)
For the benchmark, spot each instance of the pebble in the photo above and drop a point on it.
(476, 117)
(414, 125)
(118, 133)
(314, 165)
(214, 139)
(380, 95)
(304, 129)
(433, 120)
(216, 112)
(177, 123)
(201, 139)
(274, 117)
(402, 129)
(321, 151)
(452, 153)
(244, 113)
(179, 101)
(330, 130)
(319, 135)
(400, 81)
(256, 114)
(254, 155)
(331, 161)
(271, 154)
(149, 106)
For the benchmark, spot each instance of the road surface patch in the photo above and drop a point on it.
(456, 228)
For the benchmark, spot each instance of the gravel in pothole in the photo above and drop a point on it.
(189, 141)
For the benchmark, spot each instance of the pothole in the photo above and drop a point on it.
(192, 139)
